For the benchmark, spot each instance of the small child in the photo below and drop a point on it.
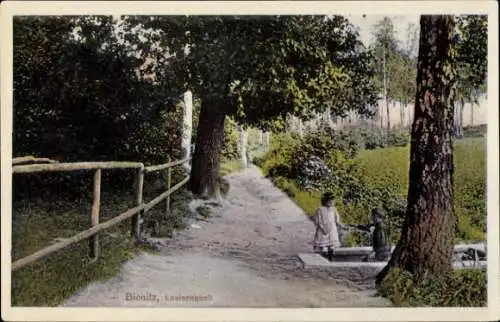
(327, 222)
(380, 240)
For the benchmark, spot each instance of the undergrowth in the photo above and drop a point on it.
(38, 223)
(377, 178)
(462, 288)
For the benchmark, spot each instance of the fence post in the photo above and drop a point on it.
(94, 216)
(169, 184)
(136, 220)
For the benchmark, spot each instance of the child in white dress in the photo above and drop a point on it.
(328, 225)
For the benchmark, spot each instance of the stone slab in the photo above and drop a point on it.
(312, 260)
(365, 250)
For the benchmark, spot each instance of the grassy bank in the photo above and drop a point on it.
(384, 171)
(388, 168)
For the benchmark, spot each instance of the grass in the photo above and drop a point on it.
(49, 281)
(389, 168)
(460, 288)
(37, 223)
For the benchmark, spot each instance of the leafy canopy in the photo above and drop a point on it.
(263, 69)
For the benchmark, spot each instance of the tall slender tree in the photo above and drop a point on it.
(471, 64)
(426, 243)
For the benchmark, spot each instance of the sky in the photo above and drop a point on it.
(366, 25)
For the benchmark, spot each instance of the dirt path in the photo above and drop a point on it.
(244, 256)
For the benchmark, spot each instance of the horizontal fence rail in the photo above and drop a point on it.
(155, 168)
(92, 233)
(32, 159)
(76, 166)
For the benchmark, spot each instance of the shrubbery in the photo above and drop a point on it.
(230, 146)
(353, 140)
(474, 131)
(377, 178)
(313, 173)
(462, 288)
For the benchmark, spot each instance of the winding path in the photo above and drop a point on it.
(244, 256)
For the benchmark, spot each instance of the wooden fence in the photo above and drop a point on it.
(92, 233)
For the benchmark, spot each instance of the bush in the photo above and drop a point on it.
(396, 138)
(374, 140)
(474, 131)
(312, 173)
(278, 159)
(379, 178)
(462, 288)
(349, 142)
(230, 146)
(288, 186)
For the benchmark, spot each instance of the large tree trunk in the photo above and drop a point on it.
(205, 170)
(426, 243)
(387, 111)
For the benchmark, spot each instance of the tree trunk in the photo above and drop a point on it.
(243, 146)
(385, 97)
(401, 115)
(388, 115)
(426, 243)
(204, 181)
(462, 108)
(471, 114)
(187, 126)
(380, 114)
(300, 128)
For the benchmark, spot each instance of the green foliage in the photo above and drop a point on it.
(230, 146)
(462, 288)
(278, 159)
(353, 140)
(264, 68)
(38, 222)
(387, 170)
(472, 55)
(401, 66)
(230, 167)
(396, 64)
(472, 58)
(81, 95)
(378, 178)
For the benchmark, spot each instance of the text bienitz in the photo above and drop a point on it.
(151, 297)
